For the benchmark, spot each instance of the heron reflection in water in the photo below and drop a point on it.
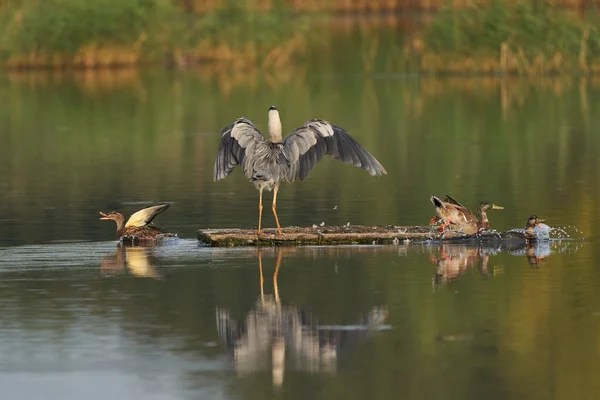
(269, 162)
(137, 259)
(278, 330)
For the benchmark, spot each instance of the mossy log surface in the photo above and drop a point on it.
(353, 234)
(322, 235)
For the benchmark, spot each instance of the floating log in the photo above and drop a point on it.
(515, 237)
(352, 234)
(321, 235)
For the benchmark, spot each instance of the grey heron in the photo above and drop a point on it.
(269, 162)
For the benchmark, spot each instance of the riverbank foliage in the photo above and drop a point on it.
(80, 33)
(523, 37)
(503, 36)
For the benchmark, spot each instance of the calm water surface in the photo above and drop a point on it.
(84, 318)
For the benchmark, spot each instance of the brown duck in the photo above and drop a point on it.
(136, 227)
(535, 227)
(452, 213)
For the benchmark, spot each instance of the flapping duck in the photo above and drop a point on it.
(460, 218)
(136, 228)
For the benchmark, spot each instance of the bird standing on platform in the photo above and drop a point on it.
(452, 213)
(269, 162)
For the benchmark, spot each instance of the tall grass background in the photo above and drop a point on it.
(500, 36)
(80, 33)
(516, 37)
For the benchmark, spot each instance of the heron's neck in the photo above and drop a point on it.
(275, 127)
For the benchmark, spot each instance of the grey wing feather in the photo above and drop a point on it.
(145, 215)
(307, 145)
(240, 143)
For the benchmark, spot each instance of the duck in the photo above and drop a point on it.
(136, 228)
(536, 229)
(452, 213)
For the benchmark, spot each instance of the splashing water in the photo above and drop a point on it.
(563, 232)
(545, 232)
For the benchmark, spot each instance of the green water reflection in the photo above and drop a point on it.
(375, 321)
(75, 145)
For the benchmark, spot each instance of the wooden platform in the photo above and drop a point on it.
(322, 235)
(352, 234)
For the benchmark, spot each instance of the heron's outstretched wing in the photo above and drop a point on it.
(241, 143)
(145, 215)
(307, 145)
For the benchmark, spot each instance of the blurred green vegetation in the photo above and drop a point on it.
(238, 22)
(114, 32)
(525, 36)
(65, 26)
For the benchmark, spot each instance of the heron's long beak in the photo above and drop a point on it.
(495, 207)
(540, 220)
(104, 216)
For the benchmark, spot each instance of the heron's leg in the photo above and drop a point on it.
(278, 349)
(275, 190)
(275, 286)
(262, 280)
(434, 220)
(260, 208)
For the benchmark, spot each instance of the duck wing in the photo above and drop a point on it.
(450, 200)
(145, 215)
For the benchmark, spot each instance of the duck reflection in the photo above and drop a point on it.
(136, 259)
(455, 259)
(535, 252)
(272, 332)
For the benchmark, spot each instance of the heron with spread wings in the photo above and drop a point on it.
(269, 162)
